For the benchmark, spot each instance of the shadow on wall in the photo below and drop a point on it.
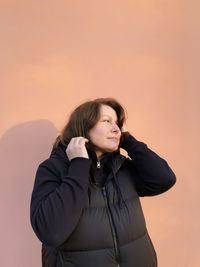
(22, 148)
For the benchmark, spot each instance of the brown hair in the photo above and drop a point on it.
(84, 118)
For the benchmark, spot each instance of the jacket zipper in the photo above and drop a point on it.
(116, 247)
(98, 164)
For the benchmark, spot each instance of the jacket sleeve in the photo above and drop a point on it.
(154, 176)
(56, 204)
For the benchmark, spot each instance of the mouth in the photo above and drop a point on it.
(114, 138)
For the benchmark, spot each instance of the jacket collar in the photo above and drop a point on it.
(113, 160)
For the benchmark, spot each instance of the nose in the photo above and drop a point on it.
(115, 127)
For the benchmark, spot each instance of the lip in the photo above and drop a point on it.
(114, 138)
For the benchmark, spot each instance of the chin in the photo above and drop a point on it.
(112, 149)
(107, 148)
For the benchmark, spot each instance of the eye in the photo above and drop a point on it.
(106, 120)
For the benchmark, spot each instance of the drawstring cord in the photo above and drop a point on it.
(89, 195)
(121, 200)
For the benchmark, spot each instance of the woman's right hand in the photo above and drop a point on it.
(76, 148)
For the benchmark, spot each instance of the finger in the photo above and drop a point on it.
(71, 142)
(83, 140)
(78, 140)
(124, 128)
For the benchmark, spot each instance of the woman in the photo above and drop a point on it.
(85, 206)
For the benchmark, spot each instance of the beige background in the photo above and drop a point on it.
(57, 54)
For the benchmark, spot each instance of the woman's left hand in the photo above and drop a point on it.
(123, 128)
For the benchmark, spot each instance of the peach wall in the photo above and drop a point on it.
(55, 55)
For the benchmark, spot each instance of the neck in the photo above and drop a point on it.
(99, 155)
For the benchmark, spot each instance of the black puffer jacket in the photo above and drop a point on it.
(92, 217)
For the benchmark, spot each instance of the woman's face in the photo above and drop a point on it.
(106, 133)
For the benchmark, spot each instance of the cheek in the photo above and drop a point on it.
(98, 134)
